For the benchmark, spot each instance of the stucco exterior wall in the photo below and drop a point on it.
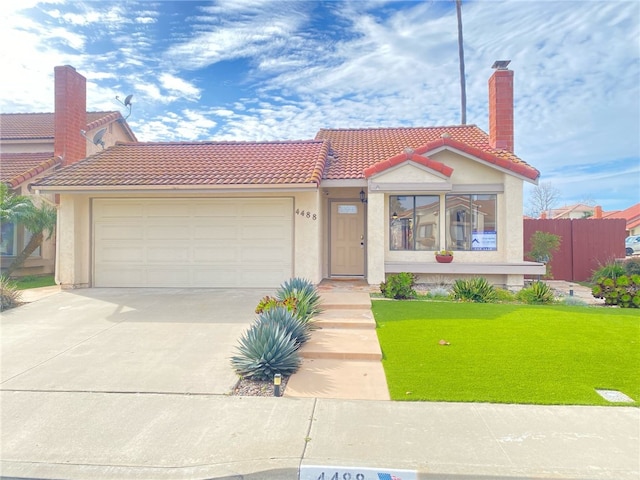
(469, 176)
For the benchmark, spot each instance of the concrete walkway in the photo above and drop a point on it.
(342, 358)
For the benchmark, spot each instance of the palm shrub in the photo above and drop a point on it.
(305, 293)
(10, 296)
(265, 349)
(399, 286)
(477, 290)
(536, 293)
(623, 290)
(286, 319)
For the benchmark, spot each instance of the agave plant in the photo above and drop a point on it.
(306, 295)
(265, 349)
(474, 290)
(286, 319)
(10, 296)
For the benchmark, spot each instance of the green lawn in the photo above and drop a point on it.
(25, 283)
(507, 353)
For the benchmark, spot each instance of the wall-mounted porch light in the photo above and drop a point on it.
(363, 196)
(394, 216)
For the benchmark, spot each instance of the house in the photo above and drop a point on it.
(579, 210)
(631, 215)
(350, 203)
(34, 145)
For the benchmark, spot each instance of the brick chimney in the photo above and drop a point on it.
(501, 106)
(598, 212)
(70, 115)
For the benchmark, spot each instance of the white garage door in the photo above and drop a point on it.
(237, 242)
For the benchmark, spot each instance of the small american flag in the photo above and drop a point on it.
(386, 476)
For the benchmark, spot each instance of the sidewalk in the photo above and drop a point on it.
(47, 435)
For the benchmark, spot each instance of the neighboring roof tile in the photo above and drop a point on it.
(17, 168)
(354, 150)
(34, 126)
(631, 215)
(197, 163)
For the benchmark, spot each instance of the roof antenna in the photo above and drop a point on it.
(97, 138)
(126, 103)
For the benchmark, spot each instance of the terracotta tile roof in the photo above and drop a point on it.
(32, 126)
(354, 150)
(17, 168)
(197, 164)
(631, 215)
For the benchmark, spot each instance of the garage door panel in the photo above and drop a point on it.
(216, 256)
(262, 209)
(119, 231)
(221, 209)
(119, 254)
(166, 254)
(167, 233)
(222, 231)
(167, 209)
(193, 242)
(264, 231)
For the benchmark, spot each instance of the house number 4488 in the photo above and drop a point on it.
(345, 476)
(306, 213)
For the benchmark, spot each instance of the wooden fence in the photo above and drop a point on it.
(586, 244)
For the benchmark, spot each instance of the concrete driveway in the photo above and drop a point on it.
(126, 340)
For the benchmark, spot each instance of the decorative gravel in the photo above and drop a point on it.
(257, 388)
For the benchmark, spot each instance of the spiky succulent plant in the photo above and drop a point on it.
(307, 298)
(265, 349)
(286, 319)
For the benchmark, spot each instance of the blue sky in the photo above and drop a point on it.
(264, 70)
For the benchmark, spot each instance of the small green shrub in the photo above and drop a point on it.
(264, 350)
(477, 290)
(623, 290)
(504, 296)
(399, 286)
(286, 319)
(610, 270)
(267, 303)
(536, 293)
(10, 296)
(632, 266)
(305, 293)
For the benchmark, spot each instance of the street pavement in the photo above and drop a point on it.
(134, 384)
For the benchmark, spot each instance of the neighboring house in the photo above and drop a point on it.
(351, 203)
(34, 145)
(579, 210)
(631, 215)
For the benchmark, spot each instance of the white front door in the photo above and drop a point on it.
(347, 251)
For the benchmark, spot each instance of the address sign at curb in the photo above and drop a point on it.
(316, 472)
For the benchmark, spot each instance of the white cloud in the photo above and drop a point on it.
(178, 86)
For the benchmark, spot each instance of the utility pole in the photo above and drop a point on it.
(463, 88)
